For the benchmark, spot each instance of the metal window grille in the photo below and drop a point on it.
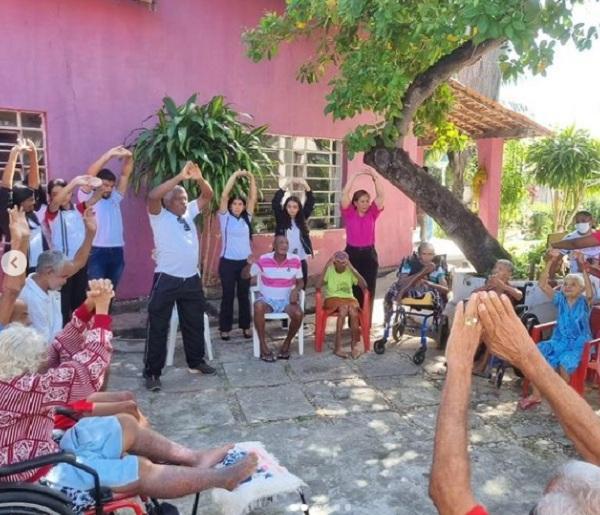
(28, 125)
(317, 160)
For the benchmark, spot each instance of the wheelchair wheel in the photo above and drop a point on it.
(379, 346)
(31, 503)
(529, 320)
(419, 357)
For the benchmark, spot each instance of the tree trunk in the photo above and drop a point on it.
(457, 165)
(462, 225)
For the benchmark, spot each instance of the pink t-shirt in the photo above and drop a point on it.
(360, 230)
(596, 235)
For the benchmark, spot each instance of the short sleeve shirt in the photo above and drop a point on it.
(360, 230)
(235, 237)
(110, 221)
(176, 241)
(276, 280)
(339, 285)
(67, 229)
(44, 309)
(589, 252)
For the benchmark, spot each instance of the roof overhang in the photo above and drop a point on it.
(481, 117)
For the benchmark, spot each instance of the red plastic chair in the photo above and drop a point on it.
(322, 314)
(119, 503)
(577, 381)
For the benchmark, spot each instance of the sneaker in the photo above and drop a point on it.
(202, 368)
(153, 383)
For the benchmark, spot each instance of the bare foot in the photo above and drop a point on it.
(356, 352)
(235, 474)
(340, 353)
(209, 458)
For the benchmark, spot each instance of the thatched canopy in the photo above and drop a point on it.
(481, 117)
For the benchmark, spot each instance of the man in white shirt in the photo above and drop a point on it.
(176, 277)
(107, 260)
(42, 288)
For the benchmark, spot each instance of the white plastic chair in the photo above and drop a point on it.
(276, 316)
(173, 336)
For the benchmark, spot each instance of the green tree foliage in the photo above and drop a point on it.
(569, 163)
(381, 47)
(393, 58)
(515, 180)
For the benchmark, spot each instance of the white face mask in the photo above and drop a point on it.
(582, 228)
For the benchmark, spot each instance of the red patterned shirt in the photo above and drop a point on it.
(79, 357)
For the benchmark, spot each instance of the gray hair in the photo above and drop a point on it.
(575, 490)
(576, 277)
(51, 261)
(425, 245)
(507, 263)
(169, 195)
(23, 350)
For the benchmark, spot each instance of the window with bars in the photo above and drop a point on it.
(317, 160)
(27, 125)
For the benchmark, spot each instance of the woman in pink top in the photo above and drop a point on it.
(359, 215)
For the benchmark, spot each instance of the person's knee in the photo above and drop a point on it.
(295, 312)
(260, 308)
(129, 423)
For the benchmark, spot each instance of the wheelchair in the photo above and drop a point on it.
(22, 498)
(421, 313)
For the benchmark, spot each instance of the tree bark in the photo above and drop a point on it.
(460, 224)
(457, 165)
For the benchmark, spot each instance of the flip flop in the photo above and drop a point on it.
(283, 355)
(268, 358)
(528, 403)
(247, 333)
(225, 337)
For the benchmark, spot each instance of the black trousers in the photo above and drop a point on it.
(304, 271)
(72, 294)
(187, 293)
(230, 272)
(364, 259)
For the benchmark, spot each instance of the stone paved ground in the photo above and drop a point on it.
(360, 433)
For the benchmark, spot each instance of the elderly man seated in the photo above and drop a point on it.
(36, 378)
(575, 489)
(279, 278)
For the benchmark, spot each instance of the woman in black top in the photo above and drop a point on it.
(291, 220)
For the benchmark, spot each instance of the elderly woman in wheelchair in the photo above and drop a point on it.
(37, 378)
(421, 292)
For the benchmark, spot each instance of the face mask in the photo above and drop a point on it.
(582, 228)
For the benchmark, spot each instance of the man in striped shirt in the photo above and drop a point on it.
(279, 278)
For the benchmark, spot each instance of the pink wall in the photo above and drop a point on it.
(489, 152)
(97, 68)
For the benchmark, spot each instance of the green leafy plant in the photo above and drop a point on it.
(528, 263)
(211, 135)
(569, 163)
(515, 179)
(540, 221)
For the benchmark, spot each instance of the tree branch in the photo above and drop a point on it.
(426, 83)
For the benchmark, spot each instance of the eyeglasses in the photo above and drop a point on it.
(186, 226)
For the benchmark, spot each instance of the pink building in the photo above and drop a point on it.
(79, 76)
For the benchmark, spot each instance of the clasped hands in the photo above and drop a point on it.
(491, 317)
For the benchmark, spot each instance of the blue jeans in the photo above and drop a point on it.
(106, 263)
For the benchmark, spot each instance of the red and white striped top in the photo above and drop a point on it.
(78, 358)
(276, 279)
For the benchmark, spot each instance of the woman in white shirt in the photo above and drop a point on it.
(235, 217)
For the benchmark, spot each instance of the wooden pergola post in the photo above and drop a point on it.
(489, 156)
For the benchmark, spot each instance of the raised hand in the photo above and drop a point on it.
(580, 258)
(503, 332)
(196, 172)
(103, 294)
(186, 172)
(465, 334)
(18, 226)
(555, 254)
(89, 220)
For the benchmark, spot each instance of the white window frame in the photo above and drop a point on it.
(38, 134)
(291, 155)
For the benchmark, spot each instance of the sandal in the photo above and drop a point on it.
(225, 337)
(340, 354)
(247, 333)
(268, 358)
(283, 355)
(528, 403)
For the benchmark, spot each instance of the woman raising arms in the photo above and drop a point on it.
(235, 219)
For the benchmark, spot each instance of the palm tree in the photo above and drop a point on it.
(569, 163)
